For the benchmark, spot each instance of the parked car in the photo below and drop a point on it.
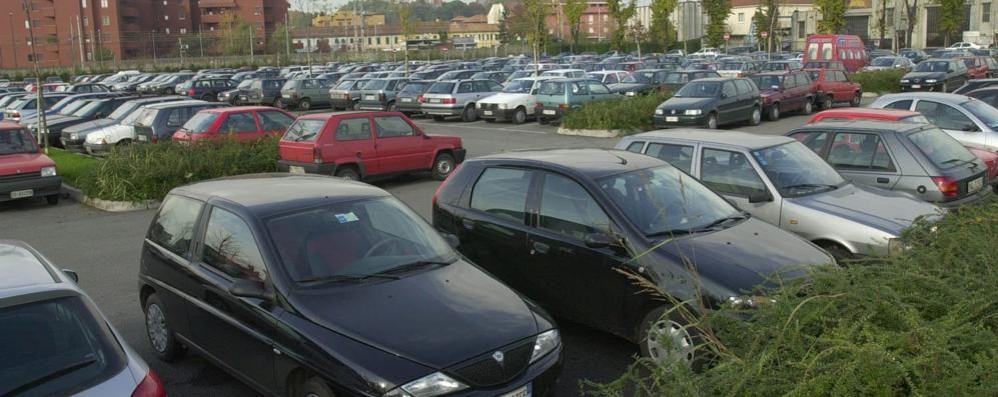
(495, 75)
(150, 124)
(264, 91)
(25, 171)
(963, 45)
(888, 63)
(28, 105)
(55, 340)
(208, 88)
(779, 180)
(408, 100)
(447, 98)
(457, 74)
(95, 109)
(848, 114)
(379, 94)
(72, 137)
(711, 103)
(919, 159)
(914, 55)
(516, 102)
(836, 65)
(557, 97)
(676, 79)
(642, 81)
(168, 85)
(936, 74)
(233, 96)
(532, 217)
(362, 145)
(833, 86)
(968, 120)
(243, 123)
(346, 94)
(975, 84)
(565, 73)
(607, 77)
(740, 68)
(305, 94)
(785, 92)
(300, 263)
(776, 66)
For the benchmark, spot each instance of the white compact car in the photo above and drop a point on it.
(515, 103)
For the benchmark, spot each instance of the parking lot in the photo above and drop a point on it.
(104, 249)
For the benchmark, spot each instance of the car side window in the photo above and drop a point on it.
(840, 76)
(567, 209)
(494, 87)
(813, 140)
(307, 84)
(990, 99)
(945, 116)
(728, 89)
(598, 89)
(220, 83)
(275, 121)
(238, 123)
(392, 127)
(481, 86)
(789, 82)
(742, 87)
(466, 87)
(903, 105)
(610, 79)
(355, 129)
(173, 228)
(635, 147)
(174, 118)
(502, 192)
(729, 172)
(859, 152)
(680, 156)
(229, 246)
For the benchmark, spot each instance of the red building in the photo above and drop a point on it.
(596, 23)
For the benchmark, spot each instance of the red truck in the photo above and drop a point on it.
(833, 86)
(25, 172)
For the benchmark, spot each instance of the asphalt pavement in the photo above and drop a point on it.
(104, 249)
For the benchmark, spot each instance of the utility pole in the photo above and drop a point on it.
(13, 41)
(287, 37)
(201, 42)
(252, 38)
(39, 87)
(153, 35)
(180, 47)
(79, 31)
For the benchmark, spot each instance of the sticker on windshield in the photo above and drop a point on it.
(347, 217)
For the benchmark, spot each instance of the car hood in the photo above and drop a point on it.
(18, 163)
(746, 255)
(437, 317)
(924, 75)
(686, 103)
(506, 97)
(89, 125)
(111, 132)
(63, 122)
(881, 209)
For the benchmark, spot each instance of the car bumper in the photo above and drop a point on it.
(679, 120)
(497, 114)
(307, 168)
(369, 105)
(98, 148)
(550, 113)
(435, 110)
(408, 107)
(983, 195)
(73, 145)
(922, 87)
(40, 187)
(540, 378)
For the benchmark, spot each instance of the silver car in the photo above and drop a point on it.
(54, 340)
(456, 98)
(919, 159)
(971, 121)
(781, 181)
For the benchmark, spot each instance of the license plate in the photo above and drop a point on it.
(916, 86)
(975, 185)
(369, 97)
(434, 101)
(549, 112)
(406, 99)
(487, 112)
(143, 138)
(525, 391)
(671, 119)
(294, 169)
(242, 98)
(22, 194)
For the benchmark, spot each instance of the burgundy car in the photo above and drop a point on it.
(25, 171)
(785, 91)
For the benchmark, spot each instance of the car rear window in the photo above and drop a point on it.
(552, 88)
(200, 122)
(377, 84)
(55, 347)
(441, 88)
(414, 88)
(290, 85)
(941, 149)
(304, 130)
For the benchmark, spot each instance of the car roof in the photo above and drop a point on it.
(732, 138)
(899, 113)
(329, 115)
(938, 96)
(22, 270)
(240, 109)
(177, 104)
(594, 163)
(776, 72)
(267, 194)
(7, 125)
(868, 125)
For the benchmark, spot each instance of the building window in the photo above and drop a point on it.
(590, 29)
(889, 17)
(800, 30)
(182, 30)
(84, 3)
(103, 3)
(985, 12)
(182, 16)
(86, 21)
(590, 16)
(741, 17)
(105, 20)
(167, 30)
(166, 17)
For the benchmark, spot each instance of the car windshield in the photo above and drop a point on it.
(304, 130)
(290, 85)
(200, 122)
(797, 171)
(17, 141)
(88, 109)
(636, 78)
(732, 66)
(343, 85)
(73, 107)
(699, 89)
(944, 151)
(52, 347)
(413, 88)
(677, 78)
(767, 82)
(882, 61)
(986, 113)
(521, 73)
(355, 240)
(245, 84)
(518, 87)
(123, 110)
(935, 66)
(376, 84)
(664, 200)
(440, 88)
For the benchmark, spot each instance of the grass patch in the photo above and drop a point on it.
(880, 81)
(71, 166)
(628, 114)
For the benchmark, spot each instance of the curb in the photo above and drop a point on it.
(870, 95)
(107, 205)
(592, 133)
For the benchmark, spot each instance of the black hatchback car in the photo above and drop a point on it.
(557, 225)
(305, 285)
(711, 103)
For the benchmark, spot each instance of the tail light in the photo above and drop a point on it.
(449, 101)
(150, 386)
(15, 114)
(420, 99)
(316, 155)
(190, 92)
(947, 186)
(563, 106)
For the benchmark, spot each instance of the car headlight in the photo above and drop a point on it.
(74, 136)
(930, 81)
(693, 112)
(630, 93)
(748, 302)
(48, 171)
(660, 111)
(431, 385)
(503, 106)
(545, 343)
(905, 81)
(895, 246)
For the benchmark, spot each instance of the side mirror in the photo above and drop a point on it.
(724, 96)
(250, 289)
(72, 275)
(760, 197)
(603, 240)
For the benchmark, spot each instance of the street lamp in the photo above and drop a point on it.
(13, 42)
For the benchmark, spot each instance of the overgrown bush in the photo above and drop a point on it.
(148, 172)
(920, 324)
(880, 81)
(629, 114)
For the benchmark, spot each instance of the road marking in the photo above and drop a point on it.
(427, 124)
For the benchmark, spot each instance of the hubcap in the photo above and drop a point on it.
(156, 327)
(444, 167)
(756, 116)
(669, 331)
(712, 122)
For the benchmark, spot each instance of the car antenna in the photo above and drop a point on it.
(623, 161)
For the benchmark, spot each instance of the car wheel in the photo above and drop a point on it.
(542, 120)
(774, 112)
(438, 118)
(945, 88)
(354, 104)
(808, 106)
(314, 387)
(838, 252)
(209, 98)
(164, 343)
(856, 100)
(443, 166)
(348, 173)
(756, 116)
(169, 91)
(305, 104)
(53, 199)
(712, 121)
(391, 107)
(827, 103)
(519, 116)
(278, 103)
(469, 114)
(489, 120)
(659, 329)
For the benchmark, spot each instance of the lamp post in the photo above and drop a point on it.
(13, 42)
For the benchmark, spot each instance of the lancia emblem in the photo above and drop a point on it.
(673, 111)
(498, 356)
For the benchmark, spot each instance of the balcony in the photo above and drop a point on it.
(217, 3)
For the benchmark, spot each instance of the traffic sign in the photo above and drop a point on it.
(727, 36)
(764, 34)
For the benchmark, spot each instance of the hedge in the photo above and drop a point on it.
(149, 172)
(629, 114)
(880, 81)
(923, 323)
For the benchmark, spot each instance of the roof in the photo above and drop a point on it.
(326, 115)
(6, 125)
(242, 108)
(21, 267)
(168, 105)
(721, 137)
(900, 113)
(939, 96)
(869, 125)
(594, 163)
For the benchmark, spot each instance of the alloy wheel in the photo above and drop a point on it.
(156, 327)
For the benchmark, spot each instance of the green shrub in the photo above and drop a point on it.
(71, 166)
(880, 81)
(923, 323)
(148, 172)
(628, 114)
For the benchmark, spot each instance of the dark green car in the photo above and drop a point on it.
(710, 103)
(557, 97)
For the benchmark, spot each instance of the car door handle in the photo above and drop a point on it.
(540, 248)
(468, 224)
(883, 180)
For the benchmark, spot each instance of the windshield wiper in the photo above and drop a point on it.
(718, 222)
(811, 186)
(41, 380)
(412, 266)
(347, 277)
(961, 161)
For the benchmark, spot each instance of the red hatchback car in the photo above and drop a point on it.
(24, 171)
(832, 86)
(243, 123)
(357, 145)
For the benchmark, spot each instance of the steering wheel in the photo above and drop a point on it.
(379, 245)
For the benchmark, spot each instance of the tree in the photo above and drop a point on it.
(881, 24)
(911, 14)
(661, 26)
(405, 26)
(620, 14)
(833, 15)
(278, 43)
(764, 20)
(235, 38)
(535, 13)
(717, 15)
(950, 18)
(573, 13)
